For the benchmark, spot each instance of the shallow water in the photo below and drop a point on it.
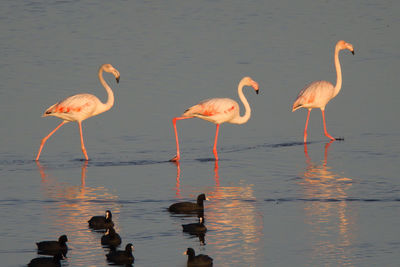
(273, 201)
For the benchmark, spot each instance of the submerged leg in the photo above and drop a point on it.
(326, 132)
(215, 143)
(82, 143)
(177, 157)
(305, 128)
(47, 137)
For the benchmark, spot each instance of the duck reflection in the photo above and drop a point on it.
(327, 212)
(234, 227)
(68, 207)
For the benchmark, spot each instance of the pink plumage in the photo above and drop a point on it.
(317, 94)
(217, 111)
(80, 107)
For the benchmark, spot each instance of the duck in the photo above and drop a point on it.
(53, 247)
(199, 260)
(101, 222)
(189, 207)
(195, 228)
(122, 256)
(46, 261)
(111, 238)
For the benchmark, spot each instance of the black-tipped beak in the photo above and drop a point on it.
(117, 79)
(352, 52)
(257, 91)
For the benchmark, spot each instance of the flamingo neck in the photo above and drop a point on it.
(247, 113)
(338, 85)
(110, 100)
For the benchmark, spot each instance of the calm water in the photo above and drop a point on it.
(273, 201)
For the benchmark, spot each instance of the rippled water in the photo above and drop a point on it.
(273, 200)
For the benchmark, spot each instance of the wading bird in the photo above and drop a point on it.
(319, 93)
(80, 107)
(217, 111)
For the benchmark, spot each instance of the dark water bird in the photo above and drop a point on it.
(199, 260)
(122, 256)
(111, 238)
(53, 247)
(195, 228)
(189, 207)
(46, 261)
(101, 222)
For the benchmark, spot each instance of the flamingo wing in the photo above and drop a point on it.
(74, 108)
(216, 110)
(315, 95)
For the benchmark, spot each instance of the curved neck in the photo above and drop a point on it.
(110, 100)
(247, 113)
(338, 85)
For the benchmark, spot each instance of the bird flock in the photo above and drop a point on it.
(216, 110)
(111, 239)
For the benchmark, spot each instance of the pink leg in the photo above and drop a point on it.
(305, 128)
(326, 132)
(177, 157)
(82, 143)
(47, 137)
(215, 143)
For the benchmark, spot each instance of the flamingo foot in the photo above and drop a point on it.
(215, 155)
(175, 159)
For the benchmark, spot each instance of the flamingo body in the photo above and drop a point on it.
(80, 107)
(317, 94)
(75, 108)
(217, 111)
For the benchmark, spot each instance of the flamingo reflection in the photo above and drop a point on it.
(328, 214)
(70, 207)
(235, 228)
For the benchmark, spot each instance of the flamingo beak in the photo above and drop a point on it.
(352, 52)
(117, 79)
(257, 91)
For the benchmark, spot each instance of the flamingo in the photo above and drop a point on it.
(80, 107)
(217, 111)
(318, 93)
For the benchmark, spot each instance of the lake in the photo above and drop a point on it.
(273, 200)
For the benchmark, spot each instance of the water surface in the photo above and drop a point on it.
(273, 201)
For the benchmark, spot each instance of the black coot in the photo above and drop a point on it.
(111, 238)
(46, 261)
(199, 260)
(195, 228)
(101, 222)
(53, 247)
(122, 256)
(189, 207)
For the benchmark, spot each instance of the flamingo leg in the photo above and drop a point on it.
(215, 143)
(326, 132)
(82, 143)
(305, 128)
(177, 157)
(47, 137)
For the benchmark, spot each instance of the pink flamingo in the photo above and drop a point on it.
(218, 110)
(319, 93)
(80, 107)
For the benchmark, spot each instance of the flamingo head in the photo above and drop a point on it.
(110, 69)
(344, 45)
(250, 82)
